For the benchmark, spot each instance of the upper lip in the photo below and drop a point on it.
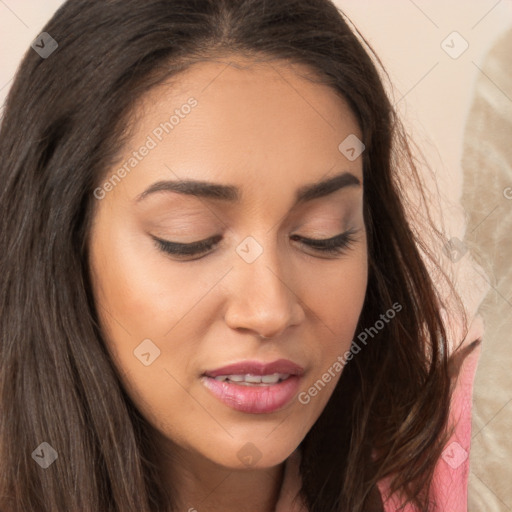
(257, 368)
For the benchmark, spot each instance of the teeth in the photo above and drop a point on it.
(250, 379)
(234, 378)
(274, 378)
(254, 379)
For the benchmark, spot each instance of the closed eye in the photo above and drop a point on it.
(336, 245)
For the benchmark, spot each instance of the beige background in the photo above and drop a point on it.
(433, 92)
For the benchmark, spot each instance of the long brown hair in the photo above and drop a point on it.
(65, 121)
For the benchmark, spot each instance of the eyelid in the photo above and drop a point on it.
(180, 249)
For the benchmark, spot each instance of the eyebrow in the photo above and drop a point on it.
(231, 193)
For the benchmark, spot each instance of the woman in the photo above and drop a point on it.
(212, 294)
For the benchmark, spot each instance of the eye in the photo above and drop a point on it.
(193, 249)
(336, 245)
(333, 246)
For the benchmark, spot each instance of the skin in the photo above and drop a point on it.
(267, 130)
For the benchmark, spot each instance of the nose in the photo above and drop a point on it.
(263, 299)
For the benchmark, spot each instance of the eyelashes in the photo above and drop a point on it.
(334, 246)
(192, 249)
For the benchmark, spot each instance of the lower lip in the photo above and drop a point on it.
(254, 399)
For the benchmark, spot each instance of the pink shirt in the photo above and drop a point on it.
(449, 486)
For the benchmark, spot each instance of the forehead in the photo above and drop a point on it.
(251, 121)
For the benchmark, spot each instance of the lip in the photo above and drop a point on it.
(257, 368)
(255, 399)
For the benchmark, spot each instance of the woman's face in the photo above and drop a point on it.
(268, 135)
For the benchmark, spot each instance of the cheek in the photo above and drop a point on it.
(136, 287)
(143, 309)
(141, 303)
(339, 296)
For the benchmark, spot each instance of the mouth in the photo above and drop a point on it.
(254, 387)
(253, 380)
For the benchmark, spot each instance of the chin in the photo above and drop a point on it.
(248, 457)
